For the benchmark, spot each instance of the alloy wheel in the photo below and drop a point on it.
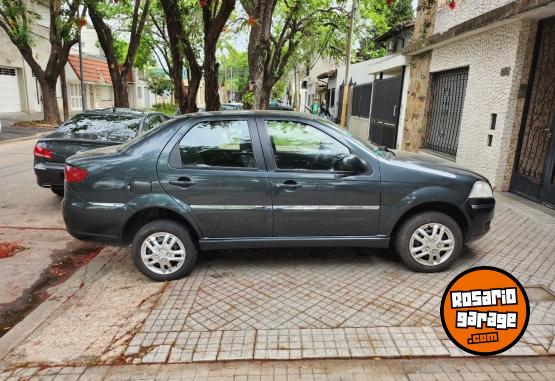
(432, 244)
(163, 253)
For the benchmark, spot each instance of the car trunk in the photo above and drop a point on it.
(63, 146)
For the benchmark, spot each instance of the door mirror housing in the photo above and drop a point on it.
(353, 164)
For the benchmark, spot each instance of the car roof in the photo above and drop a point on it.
(252, 114)
(118, 111)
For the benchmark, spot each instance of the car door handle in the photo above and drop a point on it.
(289, 184)
(183, 182)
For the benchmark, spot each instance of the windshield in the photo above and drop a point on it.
(371, 146)
(141, 137)
(109, 127)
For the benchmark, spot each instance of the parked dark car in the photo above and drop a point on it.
(276, 105)
(224, 180)
(231, 106)
(85, 131)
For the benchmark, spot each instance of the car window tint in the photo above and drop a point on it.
(218, 144)
(104, 127)
(300, 146)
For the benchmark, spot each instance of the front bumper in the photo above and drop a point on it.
(49, 174)
(480, 212)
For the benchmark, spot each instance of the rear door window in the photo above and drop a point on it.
(110, 127)
(218, 144)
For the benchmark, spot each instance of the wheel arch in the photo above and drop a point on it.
(434, 206)
(149, 214)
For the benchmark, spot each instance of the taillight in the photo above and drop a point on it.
(41, 151)
(75, 174)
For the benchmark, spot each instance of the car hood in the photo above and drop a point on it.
(429, 162)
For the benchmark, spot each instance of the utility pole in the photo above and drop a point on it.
(345, 98)
(65, 102)
(83, 95)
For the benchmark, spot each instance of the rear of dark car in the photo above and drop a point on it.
(83, 132)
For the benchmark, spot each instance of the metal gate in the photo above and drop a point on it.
(384, 116)
(534, 172)
(444, 122)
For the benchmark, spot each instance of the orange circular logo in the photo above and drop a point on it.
(485, 310)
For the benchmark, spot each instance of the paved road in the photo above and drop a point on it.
(22, 202)
(29, 216)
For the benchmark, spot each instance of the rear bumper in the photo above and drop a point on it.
(49, 174)
(480, 213)
(93, 221)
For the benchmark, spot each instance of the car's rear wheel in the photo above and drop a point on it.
(164, 250)
(58, 190)
(429, 242)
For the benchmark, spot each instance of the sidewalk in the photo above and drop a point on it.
(494, 368)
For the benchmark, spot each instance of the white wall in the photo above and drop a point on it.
(487, 92)
(465, 10)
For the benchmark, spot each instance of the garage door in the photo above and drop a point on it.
(9, 90)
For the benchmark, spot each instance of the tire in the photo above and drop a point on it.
(438, 258)
(183, 242)
(59, 191)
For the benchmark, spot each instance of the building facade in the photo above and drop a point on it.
(481, 91)
(20, 90)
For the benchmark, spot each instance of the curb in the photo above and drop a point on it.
(59, 295)
(35, 136)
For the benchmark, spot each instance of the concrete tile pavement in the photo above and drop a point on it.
(496, 368)
(342, 303)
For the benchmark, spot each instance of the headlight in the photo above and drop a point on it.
(481, 189)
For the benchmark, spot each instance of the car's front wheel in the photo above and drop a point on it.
(429, 242)
(164, 250)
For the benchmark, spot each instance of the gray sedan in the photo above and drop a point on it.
(255, 179)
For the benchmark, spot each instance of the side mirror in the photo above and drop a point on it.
(353, 164)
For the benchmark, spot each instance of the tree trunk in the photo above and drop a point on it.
(50, 102)
(259, 50)
(178, 86)
(194, 84)
(121, 91)
(213, 25)
(257, 66)
(180, 48)
(118, 72)
(211, 95)
(265, 92)
(174, 25)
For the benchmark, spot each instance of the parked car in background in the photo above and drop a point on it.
(252, 179)
(277, 105)
(231, 106)
(85, 131)
(199, 109)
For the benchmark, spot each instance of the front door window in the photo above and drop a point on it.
(298, 146)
